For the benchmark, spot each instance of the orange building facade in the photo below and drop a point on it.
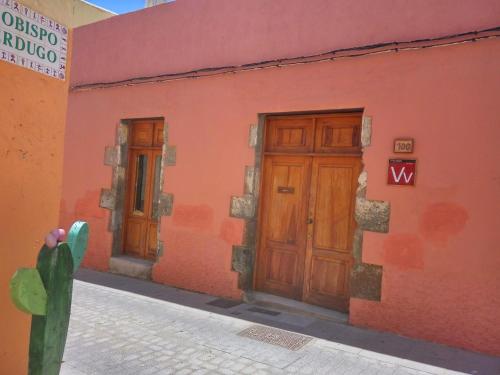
(248, 150)
(33, 112)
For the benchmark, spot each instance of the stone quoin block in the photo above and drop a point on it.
(250, 233)
(116, 220)
(122, 133)
(161, 248)
(166, 204)
(372, 215)
(119, 177)
(171, 156)
(362, 183)
(107, 199)
(110, 156)
(357, 246)
(241, 262)
(243, 207)
(249, 179)
(366, 131)
(254, 135)
(366, 281)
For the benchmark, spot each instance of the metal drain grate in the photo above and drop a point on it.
(224, 303)
(274, 336)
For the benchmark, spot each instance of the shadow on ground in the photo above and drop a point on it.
(380, 342)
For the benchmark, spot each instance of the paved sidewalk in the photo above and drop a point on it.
(171, 331)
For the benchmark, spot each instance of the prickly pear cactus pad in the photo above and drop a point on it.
(28, 292)
(45, 292)
(77, 241)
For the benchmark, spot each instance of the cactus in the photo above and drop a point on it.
(45, 292)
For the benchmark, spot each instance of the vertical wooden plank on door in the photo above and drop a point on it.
(152, 246)
(283, 214)
(331, 230)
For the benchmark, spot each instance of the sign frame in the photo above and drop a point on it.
(392, 161)
(400, 148)
(31, 40)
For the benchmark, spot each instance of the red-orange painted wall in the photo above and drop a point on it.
(440, 257)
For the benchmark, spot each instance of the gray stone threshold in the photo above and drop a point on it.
(294, 307)
(130, 266)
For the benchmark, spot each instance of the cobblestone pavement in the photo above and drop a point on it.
(118, 332)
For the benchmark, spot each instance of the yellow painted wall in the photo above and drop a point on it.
(32, 122)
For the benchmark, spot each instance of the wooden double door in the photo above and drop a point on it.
(143, 189)
(310, 170)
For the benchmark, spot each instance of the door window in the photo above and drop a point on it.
(140, 184)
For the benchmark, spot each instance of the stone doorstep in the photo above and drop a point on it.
(294, 307)
(132, 267)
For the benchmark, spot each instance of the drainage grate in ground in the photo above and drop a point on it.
(224, 303)
(274, 336)
(264, 311)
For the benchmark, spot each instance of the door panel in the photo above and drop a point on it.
(290, 135)
(339, 133)
(134, 239)
(142, 133)
(332, 217)
(329, 251)
(283, 216)
(328, 276)
(284, 224)
(282, 266)
(152, 240)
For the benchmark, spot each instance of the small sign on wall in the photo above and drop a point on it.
(403, 145)
(401, 172)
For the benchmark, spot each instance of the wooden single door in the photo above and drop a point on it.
(284, 225)
(331, 231)
(306, 222)
(143, 189)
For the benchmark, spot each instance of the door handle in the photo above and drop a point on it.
(310, 220)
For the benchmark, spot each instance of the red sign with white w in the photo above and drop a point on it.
(401, 172)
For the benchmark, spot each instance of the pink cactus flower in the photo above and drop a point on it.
(55, 236)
